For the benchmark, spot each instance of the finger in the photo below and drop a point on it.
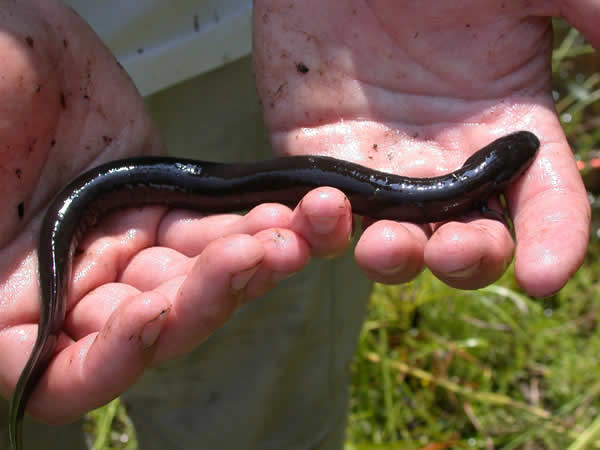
(94, 310)
(123, 240)
(189, 233)
(107, 248)
(100, 366)
(286, 253)
(324, 219)
(469, 255)
(551, 214)
(391, 252)
(206, 297)
(154, 266)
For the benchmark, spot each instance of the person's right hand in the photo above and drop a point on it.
(149, 284)
(415, 88)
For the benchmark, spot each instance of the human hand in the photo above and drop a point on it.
(148, 284)
(415, 89)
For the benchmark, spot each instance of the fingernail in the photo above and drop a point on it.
(240, 280)
(323, 225)
(152, 329)
(461, 274)
(392, 270)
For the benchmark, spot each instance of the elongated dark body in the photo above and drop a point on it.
(216, 187)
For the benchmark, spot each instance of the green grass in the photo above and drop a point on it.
(485, 369)
(111, 428)
(438, 368)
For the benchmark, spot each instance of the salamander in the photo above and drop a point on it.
(225, 187)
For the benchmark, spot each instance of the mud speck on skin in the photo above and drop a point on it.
(302, 68)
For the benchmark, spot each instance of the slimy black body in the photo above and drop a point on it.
(220, 187)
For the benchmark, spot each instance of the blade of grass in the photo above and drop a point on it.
(586, 438)
(387, 383)
(104, 424)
